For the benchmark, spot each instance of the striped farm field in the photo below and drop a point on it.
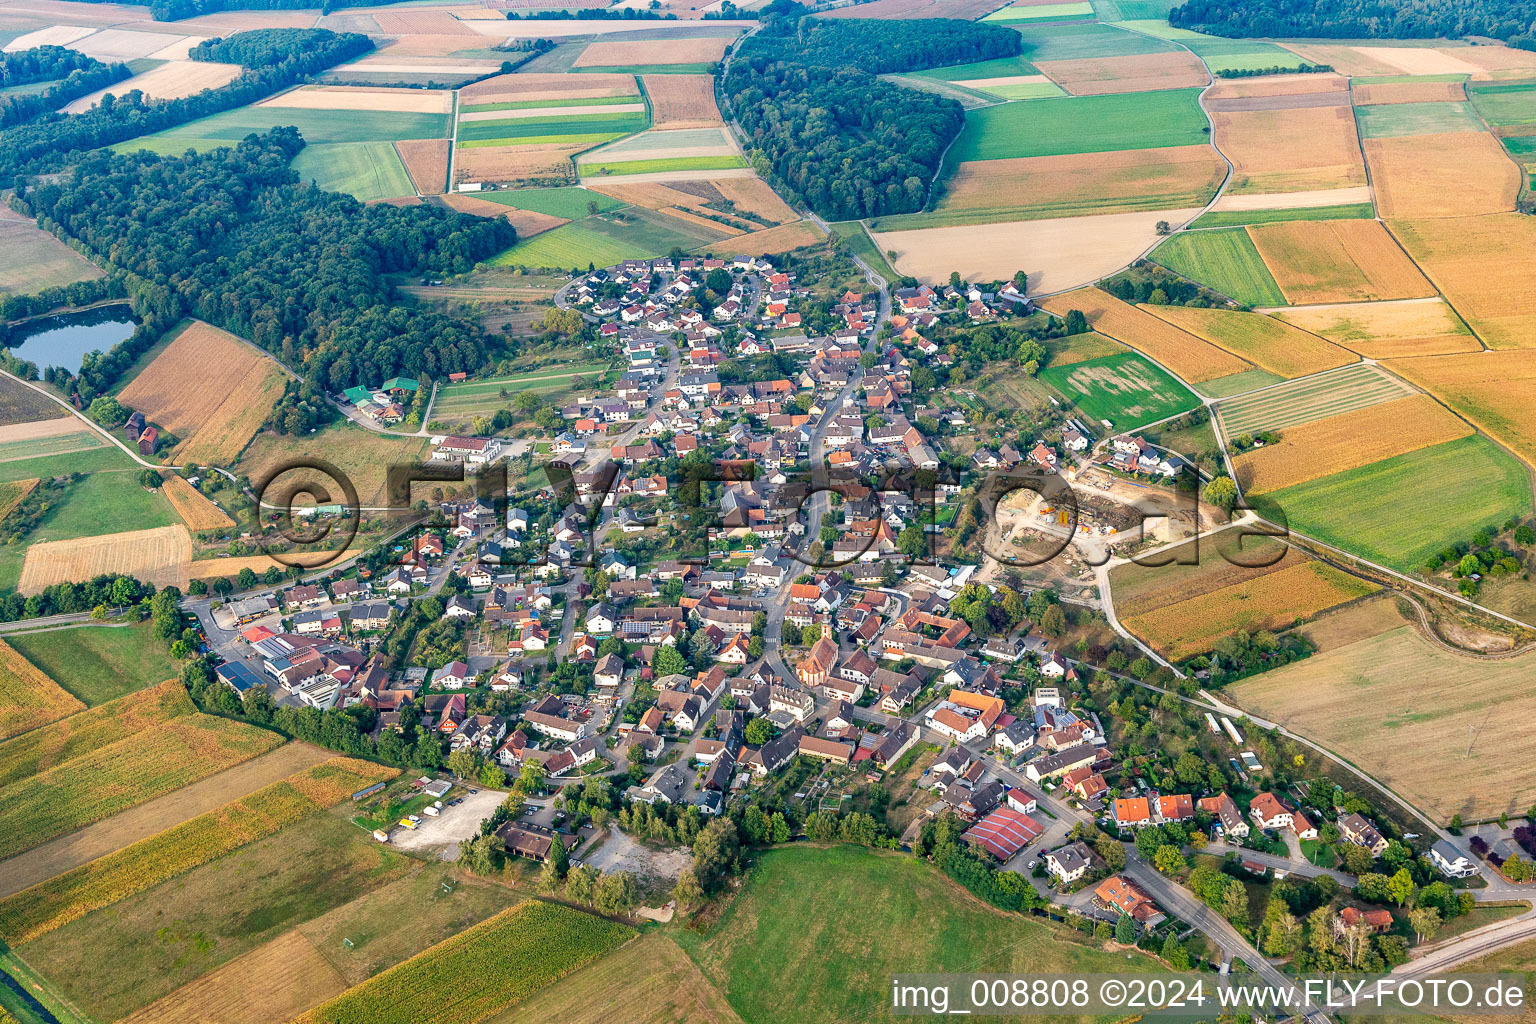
(28, 698)
(1402, 510)
(1337, 261)
(551, 129)
(64, 898)
(1310, 451)
(1310, 398)
(1384, 330)
(1224, 260)
(102, 781)
(480, 971)
(1496, 391)
(1197, 568)
(1181, 352)
(1271, 601)
(42, 749)
(663, 166)
(1267, 343)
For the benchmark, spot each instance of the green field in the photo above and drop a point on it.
(1389, 120)
(795, 909)
(1402, 510)
(1132, 10)
(1023, 90)
(1224, 260)
(1076, 41)
(1236, 218)
(1346, 389)
(570, 245)
(1002, 67)
(570, 203)
(315, 125)
(1237, 383)
(1504, 103)
(862, 246)
(480, 397)
(363, 170)
(1125, 389)
(1043, 12)
(1082, 124)
(98, 663)
(681, 163)
(525, 129)
(1245, 56)
(119, 958)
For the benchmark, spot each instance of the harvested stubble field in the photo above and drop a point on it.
(1276, 85)
(962, 10)
(539, 88)
(1264, 341)
(1494, 390)
(31, 259)
(1122, 388)
(194, 507)
(1385, 330)
(56, 426)
(1272, 601)
(1345, 697)
(649, 981)
(481, 971)
(106, 780)
(1291, 150)
(641, 53)
(269, 985)
(1224, 259)
(154, 556)
(1140, 73)
(1063, 252)
(1195, 569)
(1399, 511)
(769, 241)
(1368, 93)
(426, 162)
(1458, 174)
(538, 163)
(682, 101)
(133, 868)
(1337, 261)
(357, 97)
(28, 698)
(1482, 267)
(210, 389)
(1323, 447)
(171, 80)
(1183, 353)
(1296, 402)
(362, 455)
(1024, 188)
(755, 196)
(426, 23)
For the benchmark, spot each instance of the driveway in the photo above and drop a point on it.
(441, 835)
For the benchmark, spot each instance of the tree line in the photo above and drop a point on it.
(834, 135)
(72, 73)
(1508, 20)
(234, 238)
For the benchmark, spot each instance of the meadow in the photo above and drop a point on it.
(468, 399)
(480, 971)
(662, 165)
(861, 245)
(1266, 342)
(1313, 398)
(1084, 40)
(572, 202)
(1123, 389)
(317, 126)
(363, 170)
(1459, 749)
(1081, 124)
(1504, 103)
(99, 663)
(1402, 510)
(1392, 120)
(31, 259)
(793, 908)
(1237, 218)
(1224, 260)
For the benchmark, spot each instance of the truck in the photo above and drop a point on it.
(410, 822)
(382, 835)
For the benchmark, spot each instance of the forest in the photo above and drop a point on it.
(73, 75)
(273, 58)
(233, 237)
(1508, 20)
(849, 144)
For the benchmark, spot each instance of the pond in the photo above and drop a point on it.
(64, 339)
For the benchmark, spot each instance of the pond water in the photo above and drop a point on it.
(63, 340)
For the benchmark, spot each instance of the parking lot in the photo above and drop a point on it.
(441, 835)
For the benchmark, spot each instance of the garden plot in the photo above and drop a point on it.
(171, 80)
(1337, 261)
(1310, 398)
(1482, 267)
(1384, 330)
(1452, 175)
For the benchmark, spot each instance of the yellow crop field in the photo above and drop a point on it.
(1272, 601)
(682, 101)
(754, 196)
(1186, 355)
(1336, 443)
(1465, 749)
(1268, 343)
(156, 556)
(105, 780)
(1337, 261)
(211, 390)
(1482, 267)
(1384, 330)
(771, 240)
(66, 897)
(1292, 150)
(1409, 92)
(41, 749)
(28, 698)
(1496, 391)
(194, 507)
(1456, 174)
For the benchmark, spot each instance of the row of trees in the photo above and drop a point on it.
(1509, 20)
